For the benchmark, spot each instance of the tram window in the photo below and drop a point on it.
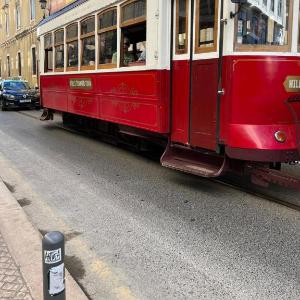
(59, 49)
(133, 40)
(263, 29)
(206, 25)
(48, 48)
(72, 46)
(107, 31)
(88, 43)
(181, 26)
(134, 11)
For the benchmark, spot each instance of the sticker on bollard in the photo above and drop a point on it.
(52, 256)
(56, 280)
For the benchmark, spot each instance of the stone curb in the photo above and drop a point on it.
(25, 245)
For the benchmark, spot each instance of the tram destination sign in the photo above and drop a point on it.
(292, 84)
(80, 83)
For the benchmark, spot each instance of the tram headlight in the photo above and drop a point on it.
(280, 136)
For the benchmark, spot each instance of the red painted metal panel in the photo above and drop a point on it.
(203, 110)
(133, 112)
(83, 104)
(144, 84)
(261, 136)
(253, 107)
(138, 99)
(134, 99)
(180, 102)
(54, 93)
(204, 100)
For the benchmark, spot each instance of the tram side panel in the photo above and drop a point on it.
(204, 103)
(254, 108)
(180, 101)
(54, 92)
(195, 118)
(139, 99)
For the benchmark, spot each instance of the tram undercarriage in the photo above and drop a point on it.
(199, 162)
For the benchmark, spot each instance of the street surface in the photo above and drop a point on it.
(135, 230)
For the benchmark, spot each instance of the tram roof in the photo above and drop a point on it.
(62, 11)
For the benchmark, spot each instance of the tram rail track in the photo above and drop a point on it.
(256, 193)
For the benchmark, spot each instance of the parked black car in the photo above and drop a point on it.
(18, 94)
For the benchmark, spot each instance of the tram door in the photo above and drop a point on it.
(195, 73)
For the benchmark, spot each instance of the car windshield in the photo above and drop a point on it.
(16, 85)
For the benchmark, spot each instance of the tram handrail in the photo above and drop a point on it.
(289, 102)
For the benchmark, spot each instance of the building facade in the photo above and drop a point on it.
(55, 5)
(18, 39)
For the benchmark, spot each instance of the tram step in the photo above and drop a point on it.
(193, 162)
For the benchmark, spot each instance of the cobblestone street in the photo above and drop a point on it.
(12, 285)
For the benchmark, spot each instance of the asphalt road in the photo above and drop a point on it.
(136, 230)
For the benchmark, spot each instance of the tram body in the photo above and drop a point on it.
(220, 81)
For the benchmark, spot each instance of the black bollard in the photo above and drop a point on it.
(53, 266)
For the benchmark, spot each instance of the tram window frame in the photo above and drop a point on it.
(58, 44)
(70, 40)
(214, 47)
(267, 48)
(128, 25)
(105, 30)
(48, 49)
(185, 50)
(84, 37)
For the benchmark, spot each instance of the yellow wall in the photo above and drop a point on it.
(56, 5)
(19, 40)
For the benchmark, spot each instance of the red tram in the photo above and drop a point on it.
(219, 79)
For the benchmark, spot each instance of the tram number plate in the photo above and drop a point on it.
(292, 84)
(81, 83)
(25, 100)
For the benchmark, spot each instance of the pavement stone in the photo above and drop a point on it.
(12, 284)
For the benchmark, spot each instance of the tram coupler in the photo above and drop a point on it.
(47, 115)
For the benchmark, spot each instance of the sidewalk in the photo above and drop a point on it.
(12, 284)
(21, 274)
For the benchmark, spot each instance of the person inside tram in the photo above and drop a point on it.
(134, 52)
(142, 55)
(128, 57)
